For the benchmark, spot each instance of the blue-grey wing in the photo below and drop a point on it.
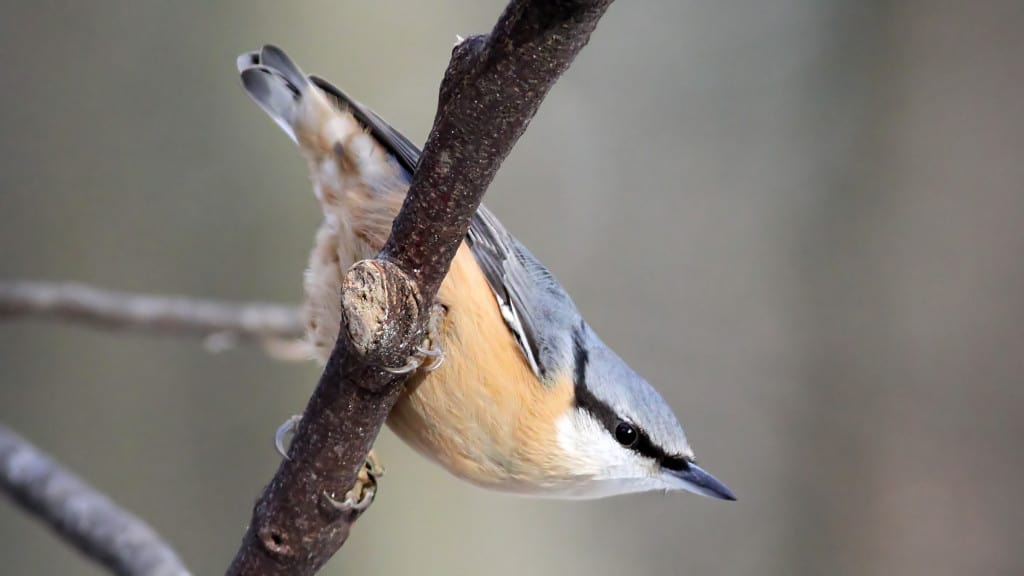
(536, 309)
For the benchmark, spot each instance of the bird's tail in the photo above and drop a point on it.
(355, 178)
(280, 88)
(358, 182)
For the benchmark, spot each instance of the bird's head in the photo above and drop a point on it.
(619, 434)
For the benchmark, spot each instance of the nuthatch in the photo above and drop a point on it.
(530, 400)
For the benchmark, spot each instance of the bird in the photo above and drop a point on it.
(528, 399)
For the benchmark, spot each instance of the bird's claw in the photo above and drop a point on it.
(435, 355)
(350, 505)
(283, 430)
(366, 481)
(411, 365)
(429, 359)
(430, 356)
(362, 494)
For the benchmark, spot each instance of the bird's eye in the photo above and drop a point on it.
(625, 434)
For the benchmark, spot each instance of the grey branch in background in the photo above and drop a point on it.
(98, 527)
(164, 314)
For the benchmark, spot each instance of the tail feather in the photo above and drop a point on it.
(247, 60)
(354, 157)
(276, 84)
(274, 58)
(275, 95)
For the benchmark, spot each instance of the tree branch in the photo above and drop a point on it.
(163, 314)
(87, 519)
(491, 91)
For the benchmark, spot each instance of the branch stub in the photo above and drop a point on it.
(381, 311)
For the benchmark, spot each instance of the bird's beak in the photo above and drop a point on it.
(696, 480)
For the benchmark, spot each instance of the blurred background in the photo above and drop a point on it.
(803, 221)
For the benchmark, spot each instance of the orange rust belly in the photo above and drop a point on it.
(483, 415)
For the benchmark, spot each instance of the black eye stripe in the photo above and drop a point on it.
(581, 359)
(676, 463)
(603, 413)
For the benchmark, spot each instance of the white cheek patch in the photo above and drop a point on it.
(586, 444)
(604, 467)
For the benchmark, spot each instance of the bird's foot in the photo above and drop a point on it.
(428, 354)
(362, 494)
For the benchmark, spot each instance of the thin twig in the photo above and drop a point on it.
(490, 92)
(162, 314)
(98, 527)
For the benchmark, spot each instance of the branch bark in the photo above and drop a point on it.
(162, 314)
(90, 521)
(491, 90)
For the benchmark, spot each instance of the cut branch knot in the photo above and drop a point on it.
(381, 308)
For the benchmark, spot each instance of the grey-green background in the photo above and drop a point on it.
(802, 220)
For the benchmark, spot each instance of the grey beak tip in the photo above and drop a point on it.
(716, 489)
(699, 481)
